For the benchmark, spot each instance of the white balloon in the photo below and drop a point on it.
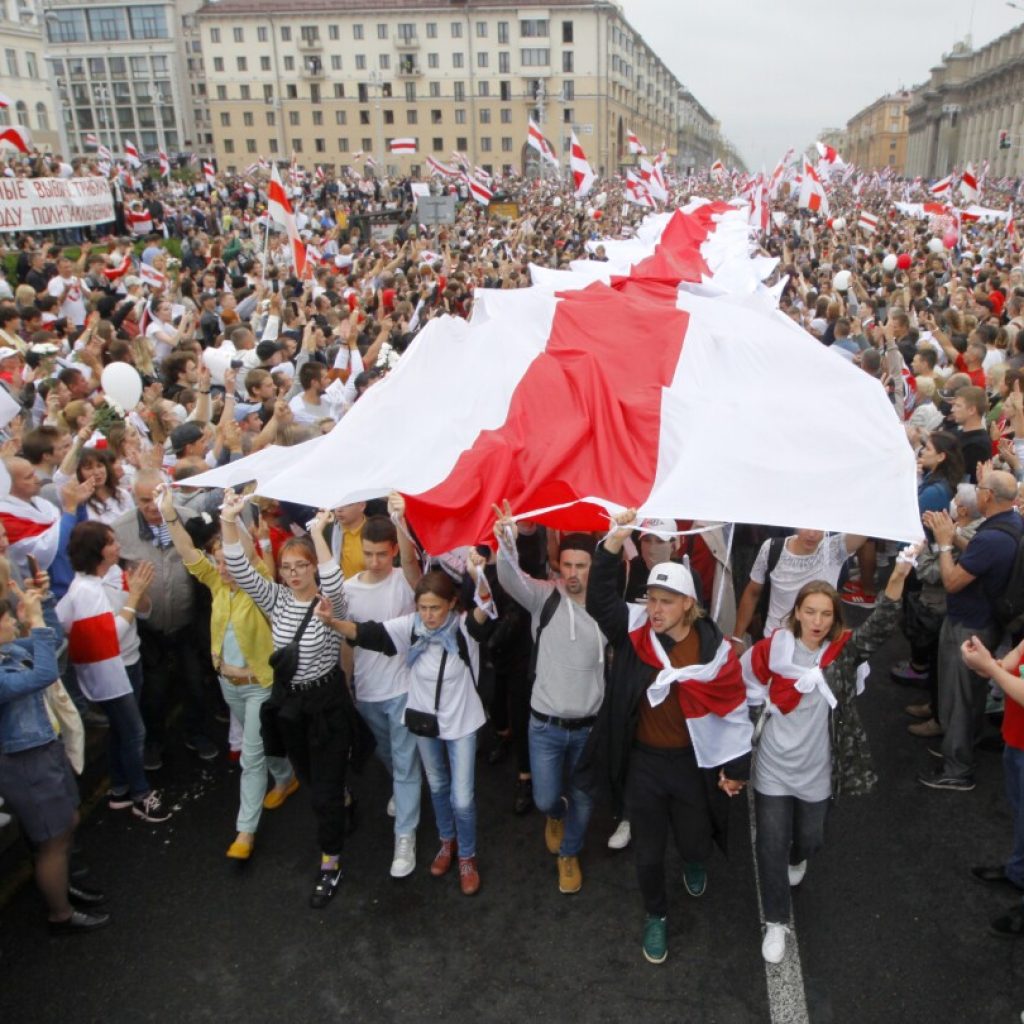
(841, 281)
(838, 224)
(122, 383)
(600, 199)
(556, 202)
(936, 245)
(889, 263)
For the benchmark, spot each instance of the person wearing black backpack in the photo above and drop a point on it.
(441, 648)
(976, 590)
(567, 687)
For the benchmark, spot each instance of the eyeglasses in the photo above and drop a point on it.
(982, 487)
(296, 568)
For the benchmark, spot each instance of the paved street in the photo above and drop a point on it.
(891, 927)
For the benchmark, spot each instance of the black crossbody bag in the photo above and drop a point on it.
(425, 723)
(285, 660)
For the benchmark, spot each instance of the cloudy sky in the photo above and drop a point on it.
(775, 74)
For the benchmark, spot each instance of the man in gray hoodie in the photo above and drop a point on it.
(568, 687)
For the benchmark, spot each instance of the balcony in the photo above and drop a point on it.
(312, 68)
(408, 68)
(307, 45)
(407, 43)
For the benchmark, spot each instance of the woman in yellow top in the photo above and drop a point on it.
(241, 646)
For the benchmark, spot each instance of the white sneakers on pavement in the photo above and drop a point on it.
(404, 862)
(773, 949)
(797, 872)
(620, 838)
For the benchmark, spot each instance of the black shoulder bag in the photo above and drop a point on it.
(424, 723)
(285, 660)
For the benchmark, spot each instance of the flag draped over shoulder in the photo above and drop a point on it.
(32, 527)
(631, 382)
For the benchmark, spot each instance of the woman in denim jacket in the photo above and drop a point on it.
(35, 777)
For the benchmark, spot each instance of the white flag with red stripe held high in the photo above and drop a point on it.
(582, 175)
(635, 145)
(479, 191)
(867, 221)
(18, 137)
(151, 276)
(280, 209)
(535, 140)
(165, 165)
(717, 169)
(406, 146)
(131, 154)
(943, 187)
(637, 191)
(91, 140)
(812, 192)
(969, 185)
(209, 173)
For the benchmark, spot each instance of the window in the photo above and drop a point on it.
(504, 64)
(481, 30)
(411, 117)
(222, 92)
(250, 145)
(357, 32)
(534, 58)
(335, 61)
(506, 144)
(437, 144)
(218, 63)
(389, 117)
(238, 34)
(333, 33)
(291, 92)
(459, 91)
(271, 118)
(366, 145)
(434, 90)
(243, 64)
(503, 32)
(382, 31)
(505, 91)
(320, 145)
(264, 63)
(360, 62)
(385, 62)
(485, 144)
(460, 143)
(286, 34)
(406, 32)
(289, 63)
(268, 93)
(433, 60)
(481, 59)
(431, 29)
(340, 117)
(485, 115)
(567, 32)
(225, 120)
(244, 92)
(272, 145)
(456, 30)
(318, 117)
(483, 88)
(410, 92)
(385, 90)
(364, 92)
(293, 118)
(248, 120)
(342, 145)
(506, 115)
(458, 59)
(568, 90)
(229, 146)
(107, 24)
(309, 33)
(364, 117)
(262, 34)
(296, 145)
(567, 63)
(533, 27)
(42, 117)
(567, 115)
(460, 115)
(339, 90)
(148, 22)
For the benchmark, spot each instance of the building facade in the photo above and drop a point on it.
(329, 79)
(23, 75)
(876, 137)
(958, 115)
(121, 74)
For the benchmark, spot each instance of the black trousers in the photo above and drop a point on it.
(313, 728)
(171, 661)
(666, 789)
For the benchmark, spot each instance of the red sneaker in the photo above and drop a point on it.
(858, 597)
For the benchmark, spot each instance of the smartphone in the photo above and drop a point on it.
(33, 566)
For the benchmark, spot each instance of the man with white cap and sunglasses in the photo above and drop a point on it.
(673, 726)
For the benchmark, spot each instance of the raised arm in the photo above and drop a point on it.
(604, 603)
(261, 590)
(408, 557)
(530, 593)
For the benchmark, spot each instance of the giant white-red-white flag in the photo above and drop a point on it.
(535, 140)
(582, 175)
(280, 209)
(812, 192)
(536, 376)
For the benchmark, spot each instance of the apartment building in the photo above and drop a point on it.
(329, 79)
(876, 137)
(23, 74)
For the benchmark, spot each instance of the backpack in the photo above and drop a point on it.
(547, 613)
(1008, 607)
(764, 601)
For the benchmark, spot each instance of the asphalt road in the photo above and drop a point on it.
(890, 924)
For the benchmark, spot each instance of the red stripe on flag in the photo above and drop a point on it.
(19, 529)
(93, 639)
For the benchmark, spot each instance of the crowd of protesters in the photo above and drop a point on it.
(132, 591)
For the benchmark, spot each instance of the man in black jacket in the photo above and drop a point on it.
(674, 724)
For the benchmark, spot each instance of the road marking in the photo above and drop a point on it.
(786, 998)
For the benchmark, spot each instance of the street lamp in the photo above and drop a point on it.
(377, 84)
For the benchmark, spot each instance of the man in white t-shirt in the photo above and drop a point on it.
(66, 288)
(806, 555)
(379, 683)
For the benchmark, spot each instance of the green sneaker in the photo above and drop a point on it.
(655, 940)
(695, 878)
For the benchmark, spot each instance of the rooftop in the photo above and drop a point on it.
(276, 8)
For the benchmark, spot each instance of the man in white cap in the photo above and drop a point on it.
(674, 726)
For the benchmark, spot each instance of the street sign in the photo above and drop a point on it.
(435, 209)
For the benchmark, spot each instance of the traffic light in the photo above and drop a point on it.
(1004, 139)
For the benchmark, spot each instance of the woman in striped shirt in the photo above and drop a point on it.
(311, 718)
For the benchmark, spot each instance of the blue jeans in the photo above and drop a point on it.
(1013, 769)
(127, 740)
(553, 755)
(245, 702)
(451, 793)
(396, 747)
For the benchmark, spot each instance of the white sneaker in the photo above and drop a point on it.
(5, 819)
(797, 872)
(391, 807)
(405, 857)
(620, 838)
(773, 949)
